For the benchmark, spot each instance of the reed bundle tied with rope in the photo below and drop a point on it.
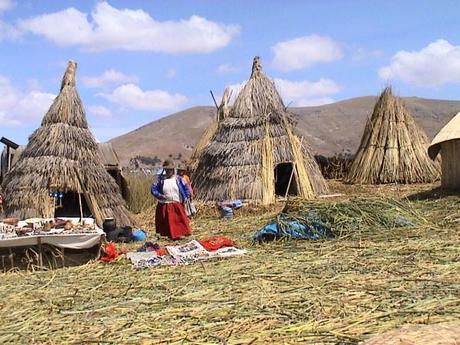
(62, 154)
(239, 152)
(393, 148)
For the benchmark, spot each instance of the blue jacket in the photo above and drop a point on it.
(157, 188)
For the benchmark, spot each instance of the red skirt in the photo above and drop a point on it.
(172, 221)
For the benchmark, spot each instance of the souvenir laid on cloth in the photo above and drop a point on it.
(185, 254)
(192, 249)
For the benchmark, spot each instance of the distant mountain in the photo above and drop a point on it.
(330, 128)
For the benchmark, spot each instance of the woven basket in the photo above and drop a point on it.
(437, 334)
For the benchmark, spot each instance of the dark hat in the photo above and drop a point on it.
(168, 164)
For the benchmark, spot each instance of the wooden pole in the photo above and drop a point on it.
(81, 208)
(290, 180)
(292, 172)
(8, 160)
(215, 103)
(40, 253)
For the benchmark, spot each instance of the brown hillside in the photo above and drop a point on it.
(329, 128)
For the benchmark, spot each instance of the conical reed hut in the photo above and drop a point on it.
(60, 172)
(254, 153)
(393, 148)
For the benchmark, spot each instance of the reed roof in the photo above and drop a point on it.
(245, 144)
(451, 131)
(393, 148)
(62, 154)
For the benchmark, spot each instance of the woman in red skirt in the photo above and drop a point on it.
(171, 192)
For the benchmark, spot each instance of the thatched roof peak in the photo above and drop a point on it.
(259, 97)
(256, 66)
(67, 107)
(69, 76)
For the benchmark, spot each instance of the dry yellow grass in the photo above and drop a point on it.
(339, 291)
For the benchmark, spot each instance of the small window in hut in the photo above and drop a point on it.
(284, 179)
(69, 206)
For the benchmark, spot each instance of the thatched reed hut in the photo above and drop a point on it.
(108, 155)
(447, 141)
(393, 147)
(254, 153)
(62, 158)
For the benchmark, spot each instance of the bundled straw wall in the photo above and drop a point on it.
(249, 141)
(393, 148)
(62, 155)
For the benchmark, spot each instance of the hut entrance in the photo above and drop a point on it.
(284, 179)
(71, 206)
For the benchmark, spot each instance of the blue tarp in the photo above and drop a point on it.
(288, 228)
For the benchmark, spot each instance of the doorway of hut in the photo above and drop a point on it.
(69, 206)
(284, 179)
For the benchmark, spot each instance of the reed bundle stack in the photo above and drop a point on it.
(393, 148)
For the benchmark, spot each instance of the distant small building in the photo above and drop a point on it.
(447, 142)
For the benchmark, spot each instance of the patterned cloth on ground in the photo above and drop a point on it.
(185, 254)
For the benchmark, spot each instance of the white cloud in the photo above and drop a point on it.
(435, 65)
(171, 73)
(132, 96)
(304, 52)
(227, 68)
(307, 93)
(109, 77)
(109, 28)
(19, 108)
(6, 5)
(99, 110)
(363, 54)
(299, 93)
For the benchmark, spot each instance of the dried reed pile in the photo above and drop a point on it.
(440, 334)
(357, 214)
(339, 291)
(335, 167)
(253, 137)
(393, 148)
(62, 155)
(140, 197)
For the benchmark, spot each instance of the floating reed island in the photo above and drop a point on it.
(393, 148)
(372, 278)
(62, 156)
(251, 151)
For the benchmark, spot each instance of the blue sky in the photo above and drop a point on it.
(141, 60)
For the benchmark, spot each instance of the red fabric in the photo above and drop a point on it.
(162, 251)
(217, 242)
(109, 252)
(172, 221)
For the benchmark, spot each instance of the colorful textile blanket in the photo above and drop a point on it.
(185, 254)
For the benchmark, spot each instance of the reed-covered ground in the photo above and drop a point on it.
(336, 291)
